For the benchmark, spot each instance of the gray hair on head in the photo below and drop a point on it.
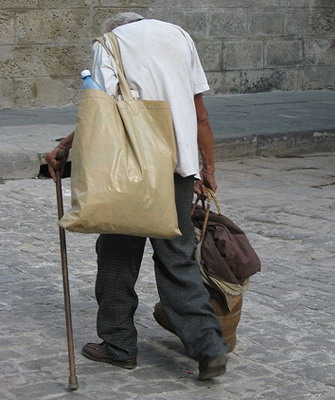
(119, 19)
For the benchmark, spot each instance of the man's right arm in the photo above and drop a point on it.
(52, 158)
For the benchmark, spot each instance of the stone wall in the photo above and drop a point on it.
(246, 45)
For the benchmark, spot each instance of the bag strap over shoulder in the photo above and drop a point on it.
(115, 54)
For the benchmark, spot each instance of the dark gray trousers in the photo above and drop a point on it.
(182, 293)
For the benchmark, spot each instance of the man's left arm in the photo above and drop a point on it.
(206, 148)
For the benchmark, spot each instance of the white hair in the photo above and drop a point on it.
(119, 19)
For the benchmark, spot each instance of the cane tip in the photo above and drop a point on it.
(73, 383)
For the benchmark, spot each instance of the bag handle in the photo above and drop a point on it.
(210, 196)
(115, 54)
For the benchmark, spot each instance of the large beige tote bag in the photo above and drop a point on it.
(123, 162)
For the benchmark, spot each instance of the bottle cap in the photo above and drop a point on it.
(85, 72)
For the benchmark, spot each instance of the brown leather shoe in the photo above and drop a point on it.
(212, 368)
(99, 352)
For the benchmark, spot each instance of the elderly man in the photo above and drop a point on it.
(161, 63)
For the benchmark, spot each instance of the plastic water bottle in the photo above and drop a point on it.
(88, 81)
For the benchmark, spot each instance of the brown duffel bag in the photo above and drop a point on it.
(226, 260)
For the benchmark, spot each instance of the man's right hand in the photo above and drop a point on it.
(56, 160)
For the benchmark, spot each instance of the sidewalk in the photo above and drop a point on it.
(285, 348)
(286, 342)
(276, 123)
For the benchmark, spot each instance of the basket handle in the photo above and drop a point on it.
(206, 204)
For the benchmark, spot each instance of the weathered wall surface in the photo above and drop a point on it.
(246, 45)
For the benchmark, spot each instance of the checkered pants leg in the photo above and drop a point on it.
(182, 293)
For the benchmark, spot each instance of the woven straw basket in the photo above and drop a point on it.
(228, 320)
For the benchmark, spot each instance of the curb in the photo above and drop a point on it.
(277, 145)
(19, 165)
(25, 164)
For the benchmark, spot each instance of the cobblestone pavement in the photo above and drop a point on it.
(286, 340)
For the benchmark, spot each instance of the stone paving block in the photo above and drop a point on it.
(243, 54)
(225, 23)
(215, 82)
(231, 82)
(266, 24)
(20, 62)
(106, 383)
(234, 148)
(6, 27)
(57, 25)
(71, 395)
(66, 60)
(283, 53)
(38, 390)
(40, 364)
(264, 80)
(37, 91)
(316, 77)
(149, 397)
(321, 141)
(295, 389)
(164, 386)
(5, 398)
(8, 354)
(50, 4)
(312, 387)
(21, 4)
(298, 22)
(26, 162)
(6, 93)
(319, 51)
(196, 23)
(322, 3)
(323, 21)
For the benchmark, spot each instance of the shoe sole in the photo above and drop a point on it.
(220, 370)
(212, 373)
(214, 368)
(109, 361)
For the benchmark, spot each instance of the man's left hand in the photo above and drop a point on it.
(207, 181)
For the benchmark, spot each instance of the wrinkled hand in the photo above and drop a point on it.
(56, 160)
(207, 181)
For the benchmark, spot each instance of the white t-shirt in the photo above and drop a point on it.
(161, 63)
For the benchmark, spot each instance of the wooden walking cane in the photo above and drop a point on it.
(73, 381)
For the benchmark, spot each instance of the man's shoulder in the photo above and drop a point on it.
(167, 25)
(150, 24)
